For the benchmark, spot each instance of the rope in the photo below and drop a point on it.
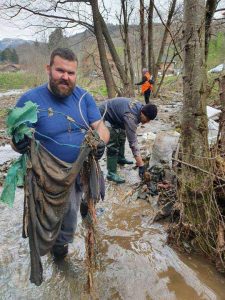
(88, 127)
(48, 137)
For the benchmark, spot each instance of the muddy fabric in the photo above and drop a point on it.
(47, 189)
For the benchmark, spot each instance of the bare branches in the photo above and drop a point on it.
(167, 28)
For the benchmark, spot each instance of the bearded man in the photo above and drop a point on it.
(65, 113)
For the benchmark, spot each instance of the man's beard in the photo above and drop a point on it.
(59, 91)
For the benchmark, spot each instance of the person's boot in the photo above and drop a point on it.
(115, 177)
(123, 161)
(112, 167)
(60, 251)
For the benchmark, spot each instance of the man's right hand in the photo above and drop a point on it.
(141, 171)
(22, 145)
(98, 153)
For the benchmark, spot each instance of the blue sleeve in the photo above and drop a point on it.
(93, 112)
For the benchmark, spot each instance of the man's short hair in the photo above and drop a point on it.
(150, 111)
(64, 53)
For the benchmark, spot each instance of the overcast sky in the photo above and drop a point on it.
(12, 30)
(17, 29)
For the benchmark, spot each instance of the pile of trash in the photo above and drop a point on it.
(160, 180)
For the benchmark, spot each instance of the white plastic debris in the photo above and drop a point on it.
(213, 126)
(149, 136)
(7, 153)
(213, 113)
(217, 69)
(165, 145)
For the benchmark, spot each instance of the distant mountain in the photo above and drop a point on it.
(12, 43)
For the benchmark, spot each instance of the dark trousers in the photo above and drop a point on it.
(147, 96)
(69, 223)
(116, 144)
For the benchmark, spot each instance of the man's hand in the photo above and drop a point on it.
(141, 171)
(22, 145)
(98, 153)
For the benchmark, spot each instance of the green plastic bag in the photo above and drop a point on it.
(18, 118)
(14, 178)
(17, 126)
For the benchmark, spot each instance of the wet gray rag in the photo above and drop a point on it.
(47, 188)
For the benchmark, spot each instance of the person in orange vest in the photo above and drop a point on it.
(146, 84)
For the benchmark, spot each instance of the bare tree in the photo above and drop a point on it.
(127, 87)
(102, 51)
(142, 34)
(124, 25)
(165, 36)
(151, 60)
(194, 123)
(58, 12)
(199, 215)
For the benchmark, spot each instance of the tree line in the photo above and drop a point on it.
(9, 55)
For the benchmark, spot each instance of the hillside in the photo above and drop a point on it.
(33, 55)
(12, 43)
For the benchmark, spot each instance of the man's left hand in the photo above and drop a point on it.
(98, 153)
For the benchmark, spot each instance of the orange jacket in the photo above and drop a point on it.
(146, 85)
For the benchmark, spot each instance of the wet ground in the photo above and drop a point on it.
(134, 260)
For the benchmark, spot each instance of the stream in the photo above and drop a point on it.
(134, 260)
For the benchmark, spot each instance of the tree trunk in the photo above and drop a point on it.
(142, 34)
(210, 10)
(150, 38)
(165, 35)
(222, 117)
(102, 51)
(196, 190)
(125, 79)
(127, 43)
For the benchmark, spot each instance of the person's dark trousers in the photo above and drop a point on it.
(113, 147)
(69, 222)
(114, 143)
(121, 141)
(147, 96)
(121, 155)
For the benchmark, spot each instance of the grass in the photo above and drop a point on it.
(99, 91)
(17, 80)
(216, 50)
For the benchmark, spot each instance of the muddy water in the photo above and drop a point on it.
(134, 261)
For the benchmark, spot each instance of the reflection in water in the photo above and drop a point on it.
(134, 260)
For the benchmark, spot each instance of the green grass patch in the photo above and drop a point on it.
(216, 50)
(17, 80)
(4, 112)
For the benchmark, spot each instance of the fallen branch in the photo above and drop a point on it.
(197, 168)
